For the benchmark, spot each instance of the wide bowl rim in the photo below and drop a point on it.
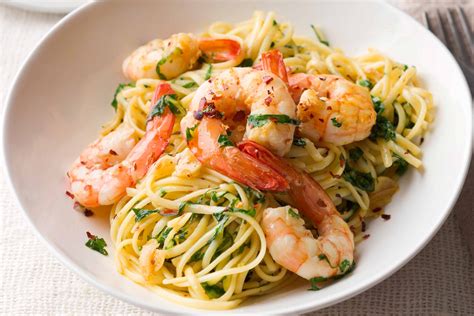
(76, 268)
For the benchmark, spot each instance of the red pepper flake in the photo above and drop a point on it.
(338, 195)
(113, 152)
(211, 111)
(329, 108)
(82, 162)
(268, 101)
(366, 236)
(267, 79)
(406, 152)
(239, 116)
(321, 203)
(70, 194)
(385, 216)
(322, 78)
(88, 212)
(363, 226)
(168, 212)
(91, 236)
(422, 140)
(377, 209)
(335, 176)
(341, 161)
(321, 120)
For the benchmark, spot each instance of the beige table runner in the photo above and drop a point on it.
(439, 280)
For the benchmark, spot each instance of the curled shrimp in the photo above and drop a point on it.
(330, 108)
(289, 242)
(167, 59)
(116, 161)
(220, 107)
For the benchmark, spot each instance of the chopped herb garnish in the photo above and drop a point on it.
(224, 141)
(355, 153)
(247, 62)
(292, 213)
(255, 194)
(366, 83)
(363, 181)
(344, 265)
(158, 65)
(242, 247)
(190, 132)
(335, 122)
(259, 120)
(97, 244)
(401, 165)
(198, 255)
(318, 36)
(272, 45)
(168, 100)
(141, 213)
(190, 84)
(383, 128)
(213, 291)
(162, 192)
(182, 206)
(300, 142)
(405, 67)
(275, 23)
(315, 281)
(163, 235)
(208, 72)
(378, 105)
(120, 87)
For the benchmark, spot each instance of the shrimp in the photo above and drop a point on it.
(220, 107)
(330, 108)
(109, 165)
(292, 245)
(167, 59)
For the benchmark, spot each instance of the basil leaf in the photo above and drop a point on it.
(259, 120)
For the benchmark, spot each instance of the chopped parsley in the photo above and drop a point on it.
(378, 105)
(182, 206)
(198, 255)
(247, 62)
(366, 83)
(292, 213)
(275, 23)
(208, 72)
(141, 213)
(259, 120)
(168, 100)
(224, 141)
(362, 180)
(163, 235)
(300, 142)
(315, 281)
(318, 36)
(355, 153)
(401, 165)
(213, 291)
(97, 244)
(405, 67)
(345, 264)
(383, 128)
(190, 84)
(120, 87)
(335, 122)
(190, 132)
(163, 60)
(255, 194)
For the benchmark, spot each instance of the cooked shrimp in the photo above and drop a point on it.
(167, 59)
(289, 243)
(108, 166)
(221, 105)
(330, 108)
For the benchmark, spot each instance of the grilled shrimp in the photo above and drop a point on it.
(116, 161)
(167, 59)
(220, 107)
(330, 108)
(289, 242)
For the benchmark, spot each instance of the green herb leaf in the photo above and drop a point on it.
(163, 235)
(335, 122)
(198, 255)
(318, 36)
(355, 153)
(275, 23)
(224, 141)
(120, 87)
(259, 120)
(182, 206)
(141, 213)
(158, 65)
(208, 72)
(213, 291)
(363, 181)
(378, 105)
(242, 247)
(292, 213)
(314, 283)
(401, 165)
(97, 244)
(300, 142)
(190, 132)
(344, 265)
(162, 192)
(170, 101)
(247, 62)
(405, 67)
(190, 84)
(383, 128)
(366, 83)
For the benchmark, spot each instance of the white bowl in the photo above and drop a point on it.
(62, 93)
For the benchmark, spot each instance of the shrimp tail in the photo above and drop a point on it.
(158, 132)
(272, 61)
(221, 49)
(307, 195)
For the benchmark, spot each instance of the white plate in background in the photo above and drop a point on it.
(49, 6)
(62, 94)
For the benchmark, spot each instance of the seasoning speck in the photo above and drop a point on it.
(88, 212)
(385, 216)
